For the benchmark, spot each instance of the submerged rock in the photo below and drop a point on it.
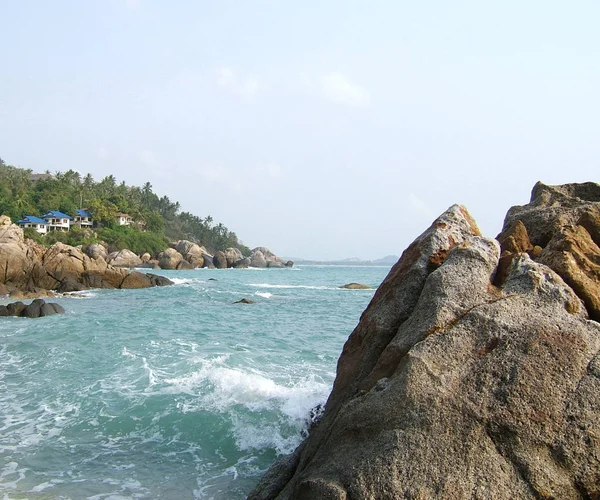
(458, 383)
(244, 301)
(356, 286)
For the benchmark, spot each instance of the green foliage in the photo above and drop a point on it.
(138, 242)
(32, 234)
(68, 191)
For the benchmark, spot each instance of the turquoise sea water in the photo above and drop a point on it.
(171, 392)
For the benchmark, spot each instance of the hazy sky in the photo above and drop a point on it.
(320, 129)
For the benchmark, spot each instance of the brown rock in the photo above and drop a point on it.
(169, 259)
(220, 260)
(136, 280)
(451, 387)
(356, 286)
(244, 301)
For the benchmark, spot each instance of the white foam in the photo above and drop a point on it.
(265, 295)
(305, 287)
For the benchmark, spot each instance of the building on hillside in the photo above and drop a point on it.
(57, 221)
(82, 218)
(124, 219)
(40, 225)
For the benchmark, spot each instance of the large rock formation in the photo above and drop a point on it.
(124, 258)
(30, 267)
(263, 257)
(469, 375)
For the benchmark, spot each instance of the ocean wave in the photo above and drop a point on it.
(265, 295)
(304, 287)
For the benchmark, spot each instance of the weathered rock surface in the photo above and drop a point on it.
(233, 255)
(37, 309)
(191, 252)
(220, 260)
(454, 387)
(169, 259)
(263, 257)
(33, 269)
(242, 263)
(96, 250)
(124, 258)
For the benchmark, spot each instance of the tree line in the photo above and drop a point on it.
(68, 191)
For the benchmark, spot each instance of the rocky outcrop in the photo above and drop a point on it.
(469, 375)
(233, 255)
(191, 252)
(169, 259)
(257, 259)
(124, 258)
(37, 309)
(263, 257)
(33, 269)
(242, 263)
(220, 260)
(96, 250)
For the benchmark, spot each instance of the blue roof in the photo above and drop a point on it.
(31, 219)
(56, 215)
(83, 213)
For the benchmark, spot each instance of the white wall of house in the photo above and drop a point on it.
(40, 228)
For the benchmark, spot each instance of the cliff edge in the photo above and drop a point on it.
(475, 370)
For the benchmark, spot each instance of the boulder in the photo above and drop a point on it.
(169, 258)
(136, 279)
(157, 280)
(192, 252)
(95, 251)
(356, 286)
(263, 257)
(208, 260)
(452, 386)
(233, 255)
(242, 263)
(124, 258)
(10, 233)
(289, 263)
(257, 259)
(36, 309)
(146, 257)
(244, 301)
(184, 265)
(220, 260)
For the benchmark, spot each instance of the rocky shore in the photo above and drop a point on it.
(31, 270)
(28, 269)
(475, 370)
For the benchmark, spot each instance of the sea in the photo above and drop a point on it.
(172, 392)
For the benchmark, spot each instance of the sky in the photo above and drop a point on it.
(320, 129)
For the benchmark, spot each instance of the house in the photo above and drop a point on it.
(40, 225)
(57, 221)
(82, 218)
(124, 219)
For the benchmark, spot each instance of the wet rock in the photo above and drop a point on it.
(356, 286)
(244, 301)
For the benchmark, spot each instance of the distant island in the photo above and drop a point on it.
(388, 260)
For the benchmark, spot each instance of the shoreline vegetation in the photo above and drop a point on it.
(119, 228)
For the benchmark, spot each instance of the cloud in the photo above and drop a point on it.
(242, 85)
(337, 88)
